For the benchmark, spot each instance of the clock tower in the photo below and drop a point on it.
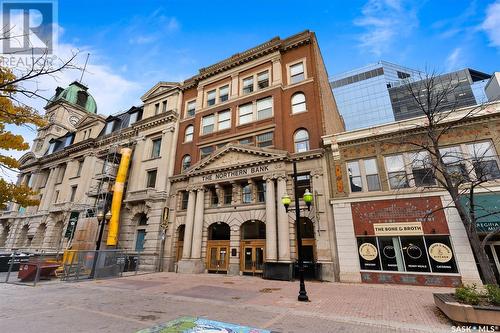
(64, 110)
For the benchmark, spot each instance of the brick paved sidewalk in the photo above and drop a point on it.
(395, 306)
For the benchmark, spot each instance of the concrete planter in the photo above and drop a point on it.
(463, 313)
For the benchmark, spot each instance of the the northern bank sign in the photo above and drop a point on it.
(235, 173)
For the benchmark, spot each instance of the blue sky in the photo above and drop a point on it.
(135, 44)
(140, 43)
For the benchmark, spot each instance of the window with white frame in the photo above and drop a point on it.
(301, 140)
(484, 160)
(297, 73)
(263, 80)
(248, 85)
(223, 120)
(211, 97)
(455, 162)
(207, 124)
(264, 108)
(363, 172)
(264, 140)
(224, 93)
(396, 171)
(298, 103)
(245, 113)
(421, 168)
(188, 134)
(190, 109)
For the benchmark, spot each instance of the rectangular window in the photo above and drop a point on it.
(297, 73)
(109, 128)
(52, 145)
(224, 120)
(245, 141)
(261, 191)
(245, 113)
(214, 198)
(151, 179)
(185, 199)
(246, 193)
(79, 168)
(29, 180)
(133, 118)
(265, 140)
(396, 172)
(56, 196)
(140, 240)
(303, 184)
(164, 106)
(211, 97)
(354, 173)
(205, 151)
(73, 193)
(60, 174)
(191, 108)
(454, 160)
(422, 171)
(224, 93)
(157, 108)
(248, 85)
(155, 150)
(228, 194)
(372, 178)
(264, 108)
(207, 124)
(484, 160)
(263, 80)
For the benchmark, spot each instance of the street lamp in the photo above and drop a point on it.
(102, 219)
(286, 200)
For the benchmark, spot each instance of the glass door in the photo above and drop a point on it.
(217, 256)
(252, 260)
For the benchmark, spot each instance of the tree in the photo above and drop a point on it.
(434, 166)
(17, 86)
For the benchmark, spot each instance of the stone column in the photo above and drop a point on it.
(283, 224)
(188, 231)
(198, 224)
(271, 250)
(236, 195)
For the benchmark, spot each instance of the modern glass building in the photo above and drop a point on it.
(362, 94)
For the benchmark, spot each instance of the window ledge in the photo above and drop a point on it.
(151, 159)
(297, 113)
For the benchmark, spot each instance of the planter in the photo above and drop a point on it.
(464, 313)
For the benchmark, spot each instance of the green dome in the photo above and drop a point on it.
(76, 94)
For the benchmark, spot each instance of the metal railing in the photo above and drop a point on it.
(28, 269)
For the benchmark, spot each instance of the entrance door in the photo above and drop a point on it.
(252, 258)
(493, 252)
(217, 256)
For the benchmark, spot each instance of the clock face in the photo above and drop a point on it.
(74, 120)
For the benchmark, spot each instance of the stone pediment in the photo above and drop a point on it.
(158, 88)
(236, 156)
(89, 119)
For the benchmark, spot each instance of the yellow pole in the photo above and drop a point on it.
(116, 203)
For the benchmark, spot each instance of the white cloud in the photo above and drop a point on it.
(454, 59)
(491, 24)
(383, 20)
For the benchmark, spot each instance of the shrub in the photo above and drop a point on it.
(493, 294)
(468, 294)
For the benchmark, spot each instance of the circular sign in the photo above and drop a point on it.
(440, 252)
(368, 251)
(414, 251)
(389, 252)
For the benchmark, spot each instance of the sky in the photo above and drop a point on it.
(135, 44)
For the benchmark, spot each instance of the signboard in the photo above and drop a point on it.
(440, 252)
(487, 211)
(235, 173)
(398, 229)
(73, 219)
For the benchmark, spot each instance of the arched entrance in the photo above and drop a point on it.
(180, 242)
(23, 237)
(252, 252)
(37, 241)
(218, 247)
(4, 235)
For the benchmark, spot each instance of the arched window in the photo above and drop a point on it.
(298, 103)
(186, 162)
(301, 140)
(188, 135)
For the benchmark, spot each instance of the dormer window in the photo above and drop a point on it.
(133, 118)
(68, 140)
(52, 145)
(109, 127)
(81, 98)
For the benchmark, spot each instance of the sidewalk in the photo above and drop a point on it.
(145, 300)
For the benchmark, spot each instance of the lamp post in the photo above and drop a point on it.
(286, 200)
(102, 219)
